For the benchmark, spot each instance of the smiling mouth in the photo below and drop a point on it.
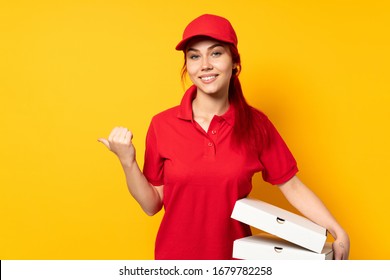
(208, 78)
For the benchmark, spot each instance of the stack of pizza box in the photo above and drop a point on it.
(287, 236)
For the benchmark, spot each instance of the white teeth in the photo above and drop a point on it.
(208, 78)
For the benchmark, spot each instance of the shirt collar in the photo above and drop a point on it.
(185, 108)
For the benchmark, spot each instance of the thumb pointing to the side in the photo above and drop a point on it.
(105, 142)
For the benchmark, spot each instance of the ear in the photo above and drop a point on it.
(234, 66)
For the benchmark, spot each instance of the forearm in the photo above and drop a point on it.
(306, 202)
(144, 193)
(149, 197)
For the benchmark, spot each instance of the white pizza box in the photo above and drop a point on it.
(265, 246)
(280, 222)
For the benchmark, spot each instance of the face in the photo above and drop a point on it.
(209, 65)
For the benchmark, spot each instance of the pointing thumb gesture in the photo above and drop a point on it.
(119, 142)
(105, 142)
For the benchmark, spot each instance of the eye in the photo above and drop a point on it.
(193, 56)
(216, 53)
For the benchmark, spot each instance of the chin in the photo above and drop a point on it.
(209, 90)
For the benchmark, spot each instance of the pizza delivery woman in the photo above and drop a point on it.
(201, 155)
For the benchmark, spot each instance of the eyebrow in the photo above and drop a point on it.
(209, 48)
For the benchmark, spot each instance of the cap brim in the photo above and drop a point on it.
(183, 43)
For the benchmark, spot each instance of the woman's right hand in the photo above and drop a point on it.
(119, 142)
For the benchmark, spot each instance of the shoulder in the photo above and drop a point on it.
(262, 128)
(166, 119)
(259, 117)
(166, 115)
(257, 112)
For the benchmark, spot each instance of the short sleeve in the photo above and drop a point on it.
(278, 162)
(153, 163)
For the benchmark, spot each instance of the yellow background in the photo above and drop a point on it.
(72, 70)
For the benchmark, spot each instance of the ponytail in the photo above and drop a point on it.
(250, 124)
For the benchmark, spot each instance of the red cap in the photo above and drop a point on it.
(212, 26)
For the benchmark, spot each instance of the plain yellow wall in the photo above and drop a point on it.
(72, 70)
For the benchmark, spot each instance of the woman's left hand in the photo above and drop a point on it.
(341, 247)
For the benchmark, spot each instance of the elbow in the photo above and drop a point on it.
(290, 186)
(152, 212)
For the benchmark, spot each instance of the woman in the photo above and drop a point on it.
(201, 155)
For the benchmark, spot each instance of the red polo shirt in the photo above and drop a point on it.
(203, 177)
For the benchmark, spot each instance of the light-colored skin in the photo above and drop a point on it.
(306, 202)
(209, 66)
(149, 197)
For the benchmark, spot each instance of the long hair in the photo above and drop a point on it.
(250, 125)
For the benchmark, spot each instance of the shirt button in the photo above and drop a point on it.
(210, 144)
(214, 132)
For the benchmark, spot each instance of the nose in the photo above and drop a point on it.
(206, 65)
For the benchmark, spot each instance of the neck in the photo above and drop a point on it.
(206, 106)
